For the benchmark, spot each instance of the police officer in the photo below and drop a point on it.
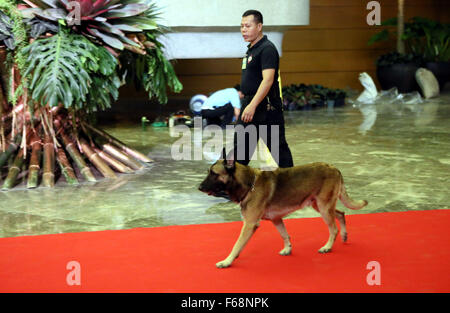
(262, 104)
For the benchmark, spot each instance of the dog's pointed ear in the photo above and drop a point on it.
(224, 154)
(230, 162)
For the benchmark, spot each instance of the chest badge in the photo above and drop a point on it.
(250, 58)
(244, 63)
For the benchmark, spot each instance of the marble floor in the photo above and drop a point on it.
(395, 156)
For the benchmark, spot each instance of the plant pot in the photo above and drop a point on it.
(441, 71)
(292, 106)
(307, 107)
(339, 102)
(330, 104)
(401, 75)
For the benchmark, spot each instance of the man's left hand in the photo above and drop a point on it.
(236, 113)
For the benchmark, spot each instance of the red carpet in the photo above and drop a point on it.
(412, 249)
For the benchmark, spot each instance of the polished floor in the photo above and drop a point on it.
(393, 155)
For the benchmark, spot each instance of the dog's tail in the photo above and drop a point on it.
(349, 202)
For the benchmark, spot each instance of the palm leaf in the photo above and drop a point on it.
(141, 22)
(381, 36)
(127, 28)
(58, 74)
(390, 22)
(136, 1)
(51, 3)
(103, 90)
(160, 75)
(127, 10)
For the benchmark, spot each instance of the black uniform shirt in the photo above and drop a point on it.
(263, 55)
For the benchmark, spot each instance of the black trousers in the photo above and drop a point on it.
(245, 142)
(221, 116)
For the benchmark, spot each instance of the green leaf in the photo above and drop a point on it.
(381, 36)
(141, 22)
(109, 40)
(390, 22)
(127, 28)
(127, 10)
(58, 74)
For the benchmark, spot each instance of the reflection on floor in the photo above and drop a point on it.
(396, 158)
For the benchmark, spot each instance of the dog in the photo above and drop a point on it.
(271, 195)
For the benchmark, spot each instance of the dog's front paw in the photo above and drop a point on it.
(286, 251)
(223, 264)
(324, 250)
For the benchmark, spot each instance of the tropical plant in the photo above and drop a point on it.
(60, 69)
(341, 94)
(428, 38)
(39, 27)
(423, 38)
(67, 69)
(301, 95)
(396, 58)
(6, 32)
(107, 21)
(153, 72)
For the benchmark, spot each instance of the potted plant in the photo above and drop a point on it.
(331, 98)
(306, 97)
(396, 69)
(319, 95)
(340, 98)
(56, 75)
(431, 39)
(291, 96)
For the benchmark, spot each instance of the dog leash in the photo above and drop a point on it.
(252, 188)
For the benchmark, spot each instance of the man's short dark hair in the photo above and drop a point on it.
(257, 16)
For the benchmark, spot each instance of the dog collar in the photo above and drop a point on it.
(252, 188)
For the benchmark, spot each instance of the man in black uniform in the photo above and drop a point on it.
(262, 104)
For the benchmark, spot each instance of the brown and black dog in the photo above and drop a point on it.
(271, 195)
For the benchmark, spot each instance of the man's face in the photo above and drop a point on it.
(249, 29)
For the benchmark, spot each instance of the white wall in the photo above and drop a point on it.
(228, 12)
(210, 28)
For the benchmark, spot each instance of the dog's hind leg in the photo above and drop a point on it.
(327, 211)
(279, 224)
(341, 218)
(329, 219)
